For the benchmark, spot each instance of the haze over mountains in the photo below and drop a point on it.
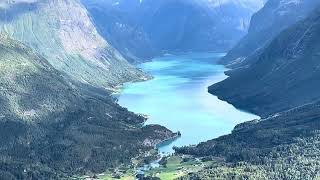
(141, 29)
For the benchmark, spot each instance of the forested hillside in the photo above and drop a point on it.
(282, 87)
(52, 128)
(57, 118)
(285, 73)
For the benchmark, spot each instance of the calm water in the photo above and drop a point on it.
(177, 98)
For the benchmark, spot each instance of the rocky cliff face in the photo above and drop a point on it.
(266, 24)
(171, 26)
(52, 128)
(64, 34)
(117, 23)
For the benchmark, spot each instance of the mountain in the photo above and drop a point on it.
(63, 33)
(142, 29)
(282, 86)
(266, 24)
(52, 128)
(115, 22)
(285, 73)
(198, 26)
(56, 117)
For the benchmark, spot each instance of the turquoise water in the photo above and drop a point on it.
(177, 98)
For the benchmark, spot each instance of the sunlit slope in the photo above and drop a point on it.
(29, 85)
(64, 34)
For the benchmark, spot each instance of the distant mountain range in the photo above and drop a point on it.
(142, 29)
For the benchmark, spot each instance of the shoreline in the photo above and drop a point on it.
(167, 141)
(176, 136)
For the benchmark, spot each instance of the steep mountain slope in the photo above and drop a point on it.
(64, 34)
(51, 128)
(286, 73)
(118, 25)
(266, 24)
(282, 85)
(197, 26)
(171, 26)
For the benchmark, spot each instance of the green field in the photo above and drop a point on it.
(174, 167)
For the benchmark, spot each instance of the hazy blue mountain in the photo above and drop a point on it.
(141, 29)
(267, 23)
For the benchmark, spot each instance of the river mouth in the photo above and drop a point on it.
(177, 98)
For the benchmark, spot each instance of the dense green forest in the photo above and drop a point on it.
(285, 146)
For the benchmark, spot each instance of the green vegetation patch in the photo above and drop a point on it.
(177, 166)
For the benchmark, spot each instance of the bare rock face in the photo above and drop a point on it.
(63, 33)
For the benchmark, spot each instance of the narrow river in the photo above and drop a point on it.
(177, 98)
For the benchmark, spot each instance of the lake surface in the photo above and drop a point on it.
(177, 98)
